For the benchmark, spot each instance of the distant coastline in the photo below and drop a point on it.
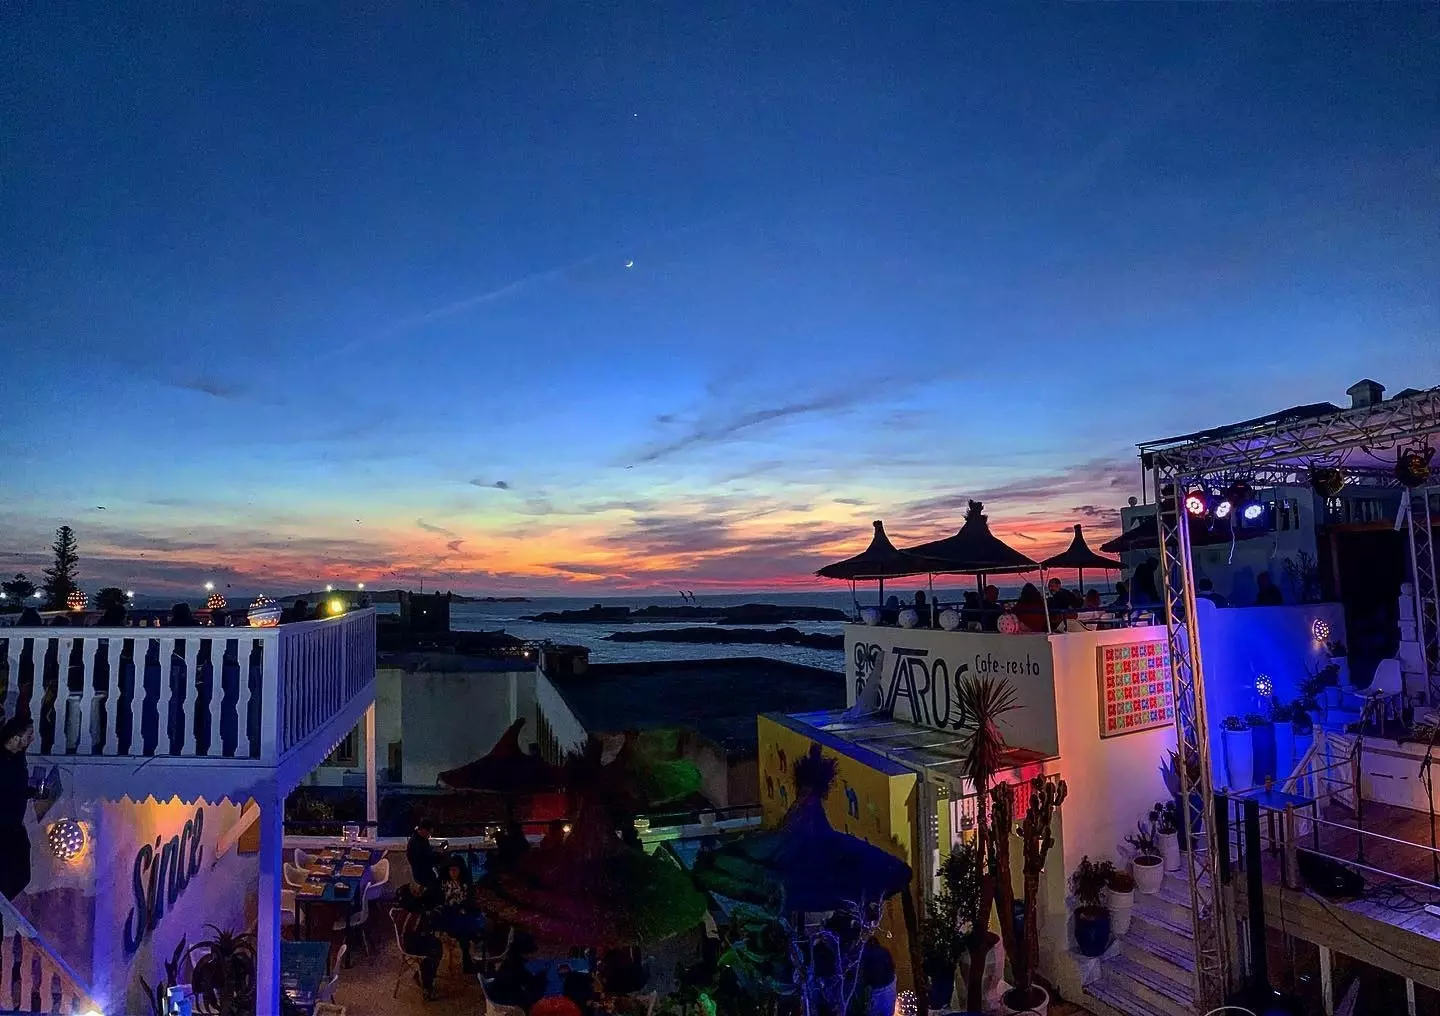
(733, 636)
(747, 613)
(393, 596)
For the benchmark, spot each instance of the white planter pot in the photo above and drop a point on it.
(990, 978)
(870, 615)
(1170, 850)
(1149, 874)
(909, 617)
(1120, 905)
(1039, 1009)
(1239, 758)
(950, 620)
(882, 1001)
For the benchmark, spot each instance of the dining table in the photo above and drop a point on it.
(550, 969)
(335, 880)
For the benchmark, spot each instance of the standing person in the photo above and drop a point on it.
(15, 792)
(1267, 593)
(1143, 590)
(423, 858)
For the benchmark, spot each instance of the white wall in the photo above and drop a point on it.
(451, 718)
(564, 725)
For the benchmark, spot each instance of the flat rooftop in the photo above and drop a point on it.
(719, 699)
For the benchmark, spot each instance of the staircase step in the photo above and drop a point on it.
(1157, 989)
(1175, 891)
(1142, 946)
(1111, 996)
(1171, 904)
(1174, 937)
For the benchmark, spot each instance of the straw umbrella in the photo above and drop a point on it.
(880, 561)
(508, 772)
(1079, 556)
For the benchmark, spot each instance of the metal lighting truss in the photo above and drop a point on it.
(1278, 449)
(1427, 604)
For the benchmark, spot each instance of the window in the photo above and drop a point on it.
(345, 753)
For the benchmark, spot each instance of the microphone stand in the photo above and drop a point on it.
(1358, 756)
(1427, 780)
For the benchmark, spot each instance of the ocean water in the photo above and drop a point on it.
(507, 617)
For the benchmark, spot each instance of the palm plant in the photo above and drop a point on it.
(983, 701)
(224, 973)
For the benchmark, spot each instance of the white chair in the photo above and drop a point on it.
(287, 906)
(409, 962)
(379, 878)
(1387, 684)
(302, 859)
(359, 919)
(294, 876)
(327, 990)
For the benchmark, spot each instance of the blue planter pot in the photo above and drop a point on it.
(942, 986)
(1092, 930)
(1262, 752)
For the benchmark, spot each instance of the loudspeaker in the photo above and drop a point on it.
(1328, 878)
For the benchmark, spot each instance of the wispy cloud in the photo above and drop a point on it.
(213, 387)
(490, 484)
(430, 527)
(454, 546)
(720, 428)
(857, 502)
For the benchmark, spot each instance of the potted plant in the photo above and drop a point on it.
(937, 947)
(1239, 747)
(960, 875)
(1119, 899)
(984, 699)
(1036, 839)
(1147, 865)
(1340, 660)
(1166, 819)
(1170, 773)
(1263, 764)
(1088, 884)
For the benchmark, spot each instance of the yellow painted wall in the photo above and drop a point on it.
(864, 802)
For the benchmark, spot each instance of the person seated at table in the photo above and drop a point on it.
(922, 608)
(424, 859)
(1122, 597)
(457, 916)
(890, 613)
(514, 984)
(1030, 608)
(577, 985)
(510, 846)
(1092, 599)
(991, 609)
(417, 938)
(970, 610)
(1205, 590)
(1061, 599)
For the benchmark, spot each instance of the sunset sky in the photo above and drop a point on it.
(540, 298)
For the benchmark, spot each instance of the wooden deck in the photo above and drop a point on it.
(1387, 926)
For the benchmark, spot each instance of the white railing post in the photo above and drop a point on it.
(271, 707)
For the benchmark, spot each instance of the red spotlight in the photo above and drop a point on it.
(1195, 503)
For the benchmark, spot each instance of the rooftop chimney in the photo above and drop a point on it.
(1365, 393)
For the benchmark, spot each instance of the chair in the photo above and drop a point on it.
(287, 906)
(379, 878)
(409, 962)
(302, 859)
(295, 876)
(359, 919)
(486, 960)
(1387, 683)
(327, 990)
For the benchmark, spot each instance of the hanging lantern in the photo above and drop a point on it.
(76, 600)
(66, 839)
(906, 1004)
(214, 602)
(263, 613)
(1412, 465)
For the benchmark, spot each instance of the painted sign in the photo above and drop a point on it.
(1135, 691)
(914, 674)
(160, 874)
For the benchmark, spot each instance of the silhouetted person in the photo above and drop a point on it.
(1092, 599)
(1267, 593)
(114, 617)
(1122, 597)
(424, 859)
(922, 608)
(30, 618)
(1145, 592)
(180, 616)
(1030, 608)
(990, 609)
(1060, 597)
(1205, 589)
(219, 618)
(299, 611)
(510, 846)
(15, 792)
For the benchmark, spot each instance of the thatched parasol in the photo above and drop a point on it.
(505, 769)
(880, 561)
(805, 862)
(592, 889)
(1079, 556)
(974, 550)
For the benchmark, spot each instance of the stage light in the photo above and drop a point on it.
(1222, 508)
(1327, 481)
(1195, 503)
(1252, 511)
(1320, 629)
(1412, 465)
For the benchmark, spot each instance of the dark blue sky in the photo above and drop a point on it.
(340, 291)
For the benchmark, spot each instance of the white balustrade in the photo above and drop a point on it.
(215, 693)
(33, 976)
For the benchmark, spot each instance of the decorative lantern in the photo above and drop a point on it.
(906, 1004)
(214, 602)
(263, 613)
(77, 600)
(1264, 687)
(1327, 481)
(66, 838)
(1008, 624)
(1320, 629)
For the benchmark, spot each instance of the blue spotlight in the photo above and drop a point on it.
(1252, 511)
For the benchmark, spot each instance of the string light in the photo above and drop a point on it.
(906, 1004)
(1320, 629)
(66, 839)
